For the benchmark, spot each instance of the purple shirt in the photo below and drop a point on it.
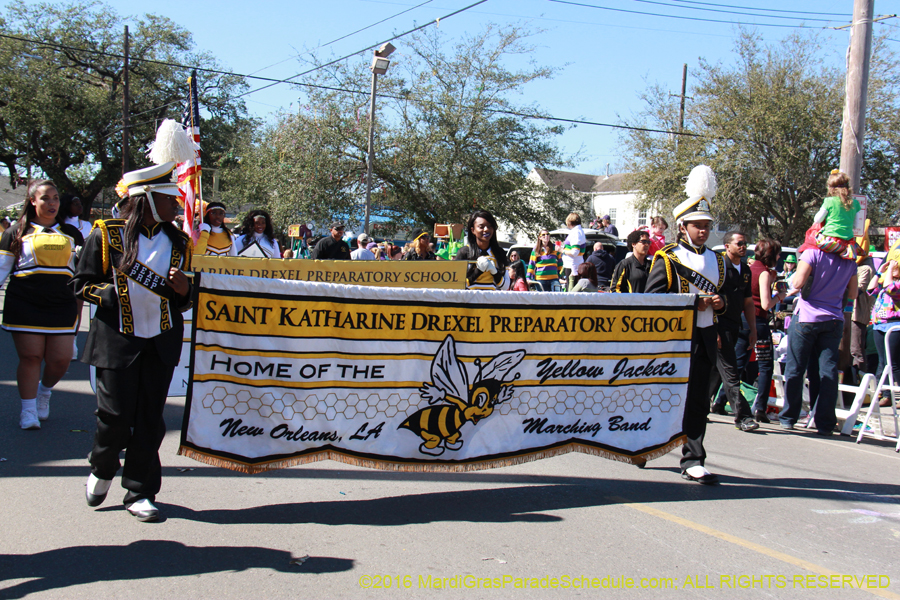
(830, 277)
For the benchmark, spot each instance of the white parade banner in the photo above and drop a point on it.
(421, 379)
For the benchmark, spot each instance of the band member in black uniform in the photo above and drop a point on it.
(689, 267)
(630, 276)
(37, 253)
(132, 269)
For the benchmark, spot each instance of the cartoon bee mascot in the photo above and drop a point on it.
(453, 402)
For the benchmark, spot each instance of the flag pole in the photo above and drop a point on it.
(198, 201)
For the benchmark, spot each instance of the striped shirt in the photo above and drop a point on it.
(574, 240)
(545, 267)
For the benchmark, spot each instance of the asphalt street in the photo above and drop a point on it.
(796, 516)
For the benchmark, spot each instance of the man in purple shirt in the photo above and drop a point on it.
(815, 333)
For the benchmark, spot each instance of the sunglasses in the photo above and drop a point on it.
(739, 244)
(643, 241)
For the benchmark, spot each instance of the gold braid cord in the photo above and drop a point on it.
(188, 253)
(104, 244)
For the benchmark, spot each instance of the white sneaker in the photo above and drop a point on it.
(43, 407)
(29, 420)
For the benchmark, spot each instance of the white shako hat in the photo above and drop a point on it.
(157, 178)
(700, 188)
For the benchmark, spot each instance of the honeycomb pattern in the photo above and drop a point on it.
(406, 402)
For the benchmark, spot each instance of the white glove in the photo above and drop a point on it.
(486, 264)
(204, 227)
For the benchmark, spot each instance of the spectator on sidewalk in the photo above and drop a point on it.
(420, 246)
(546, 263)
(573, 246)
(862, 308)
(886, 316)
(658, 227)
(606, 226)
(738, 295)
(332, 247)
(762, 280)
(362, 252)
(604, 264)
(816, 329)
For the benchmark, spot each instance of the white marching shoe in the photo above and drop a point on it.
(95, 490)
(143, 510)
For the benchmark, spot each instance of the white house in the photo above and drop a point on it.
(592, 195)
(611, 194)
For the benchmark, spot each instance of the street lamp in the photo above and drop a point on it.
(380, 64)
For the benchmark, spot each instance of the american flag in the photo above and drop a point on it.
(189, 171)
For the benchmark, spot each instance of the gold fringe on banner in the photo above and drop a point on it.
(435, 467)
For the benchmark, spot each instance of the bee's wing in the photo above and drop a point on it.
(447, 373)
(502, 364)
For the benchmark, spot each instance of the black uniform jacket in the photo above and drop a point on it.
(107, 347)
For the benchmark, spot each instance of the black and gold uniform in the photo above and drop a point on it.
(682, 268)
(630, 276)
(38, 299)
(134, 344)
(477, 279)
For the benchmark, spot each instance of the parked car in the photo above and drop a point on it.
(611, 243)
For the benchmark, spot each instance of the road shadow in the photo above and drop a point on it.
(531, 503)
(146, 559)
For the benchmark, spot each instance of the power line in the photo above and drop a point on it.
(731, 12)
(801, 12)
(637, 12)
(343, 37)
(373, 46)
(335, 89)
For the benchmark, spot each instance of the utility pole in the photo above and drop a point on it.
(370, 155)
(683, 97)
(854, 126)
(380, 64)
(683, 91)
(125, 110)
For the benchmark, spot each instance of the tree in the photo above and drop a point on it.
(448, 138)
(61, 107)
(769, 126)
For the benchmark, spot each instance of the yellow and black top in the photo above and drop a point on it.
(38, 299)
(217, 241)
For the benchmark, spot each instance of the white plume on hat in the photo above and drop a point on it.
(701, 182)
(172, 144)
(700, 188)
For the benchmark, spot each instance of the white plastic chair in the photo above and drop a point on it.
(885, 384)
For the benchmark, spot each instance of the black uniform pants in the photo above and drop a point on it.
(130, 405)
(727, 373)
(696, 409)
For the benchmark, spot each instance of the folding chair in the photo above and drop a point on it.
(847, 415)
(885, 384)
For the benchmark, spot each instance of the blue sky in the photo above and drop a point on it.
(607, 57)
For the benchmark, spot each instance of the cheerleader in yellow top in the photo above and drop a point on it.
(215, 239)
(38, 254)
